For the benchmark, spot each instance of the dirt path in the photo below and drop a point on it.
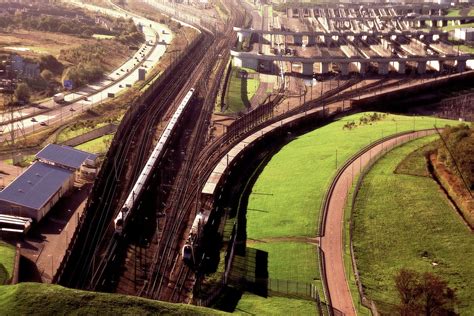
(332, 241)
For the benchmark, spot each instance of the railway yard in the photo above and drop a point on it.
(249, 211)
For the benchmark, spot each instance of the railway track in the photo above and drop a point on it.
(94, 242)
(104, 251)
(151, 267)
(169, 278)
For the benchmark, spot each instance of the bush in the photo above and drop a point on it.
(47, 75)
(50, 63)
(22, 93)
(83, 73)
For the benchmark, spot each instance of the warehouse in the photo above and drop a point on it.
(50, 177)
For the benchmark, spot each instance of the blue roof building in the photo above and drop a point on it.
(37, 190)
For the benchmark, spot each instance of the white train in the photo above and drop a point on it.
(139, 186)
(188, 248)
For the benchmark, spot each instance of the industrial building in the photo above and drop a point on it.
(53, 174)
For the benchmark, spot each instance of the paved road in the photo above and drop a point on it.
(114, 82)
(332, 241)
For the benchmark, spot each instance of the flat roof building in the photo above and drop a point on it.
(65, 156)
(53, 175)
(36, 191)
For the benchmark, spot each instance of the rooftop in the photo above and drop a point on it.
(36, 185)
(65, 156)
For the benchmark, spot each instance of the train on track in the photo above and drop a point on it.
(187, 252)
(140, 185)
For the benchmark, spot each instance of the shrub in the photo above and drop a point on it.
(22, 93)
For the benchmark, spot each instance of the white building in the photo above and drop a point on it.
(464, 34)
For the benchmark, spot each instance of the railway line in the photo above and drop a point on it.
(145, 261)
(96, 257)
(170, 279)
(131, 144)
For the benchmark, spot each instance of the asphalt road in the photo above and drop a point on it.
(96, 93)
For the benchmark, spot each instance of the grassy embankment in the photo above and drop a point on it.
(284, 207)
(240, 90)
(404, 220)
(454, 12)
(7, 257)
(45, 299)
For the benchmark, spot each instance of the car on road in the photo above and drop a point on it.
(43, 124)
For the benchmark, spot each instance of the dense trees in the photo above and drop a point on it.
(424, 294)
(83, 73)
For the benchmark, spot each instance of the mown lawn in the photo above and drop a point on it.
(297, 267)
(404, 221)
(240, 91)
(286, 198)
(7, 257)
(45, 299)
(251, 304)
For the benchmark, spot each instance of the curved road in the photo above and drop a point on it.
(332, 241)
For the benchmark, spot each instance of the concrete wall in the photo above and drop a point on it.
(251, 63)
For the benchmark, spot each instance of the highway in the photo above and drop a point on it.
(33, 118)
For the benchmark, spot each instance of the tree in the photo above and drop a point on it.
(424, 294)
(47, 75)
(22, 93)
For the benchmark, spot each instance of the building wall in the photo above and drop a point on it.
(9, 208)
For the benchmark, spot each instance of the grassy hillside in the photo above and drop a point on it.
(284, 206)
(43, 299)
(405, 221)
(7, 257)
(241, 89)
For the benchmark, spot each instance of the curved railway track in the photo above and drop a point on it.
(97, 259)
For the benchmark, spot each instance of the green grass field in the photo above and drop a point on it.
(7, 257)
(454, 12)
(251, 304)
(76, 130)
(466, 49)
(44, 299)
(286, 198)
(97, 146)
(405, 221)
(283, 266)
(240, 90)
